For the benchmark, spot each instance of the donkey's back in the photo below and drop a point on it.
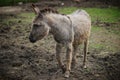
(81, 23)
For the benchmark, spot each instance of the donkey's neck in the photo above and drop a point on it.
(60, 27)
(57, 22)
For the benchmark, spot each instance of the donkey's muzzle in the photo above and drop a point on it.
(32, 40)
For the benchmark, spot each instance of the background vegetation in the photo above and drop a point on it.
(14, 2)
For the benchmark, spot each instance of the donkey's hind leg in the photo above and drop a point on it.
(85, 52)
(75, 47)
(58, 57)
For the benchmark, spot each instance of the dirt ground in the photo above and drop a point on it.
(22, 60)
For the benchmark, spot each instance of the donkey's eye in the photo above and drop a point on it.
(35, 25)
(41, 25)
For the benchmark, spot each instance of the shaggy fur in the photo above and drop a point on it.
(68, 30)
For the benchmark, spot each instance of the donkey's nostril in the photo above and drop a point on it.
(32, 40)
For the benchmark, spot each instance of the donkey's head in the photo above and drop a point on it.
(39, 28)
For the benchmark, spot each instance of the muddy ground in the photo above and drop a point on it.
(22, 60)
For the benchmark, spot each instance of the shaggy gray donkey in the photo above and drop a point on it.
(68, 30)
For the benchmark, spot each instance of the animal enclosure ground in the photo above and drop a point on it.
(22, 60)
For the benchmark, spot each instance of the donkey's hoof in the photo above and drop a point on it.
(67, 74)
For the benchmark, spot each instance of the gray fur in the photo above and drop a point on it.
(68, 30)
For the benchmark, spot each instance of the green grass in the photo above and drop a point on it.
(24, 17)
(27, 16)
(97, 46)
(102, 14)
(95, 28)
(67, 10)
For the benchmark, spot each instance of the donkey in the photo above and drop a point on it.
(68, 30)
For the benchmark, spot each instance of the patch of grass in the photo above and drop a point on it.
(114, 29)
(103, 39)
(22, 17)
(27, 16)
(101, 14)
(98, 46)
(67, 10)
(95, 29)
(104, 14)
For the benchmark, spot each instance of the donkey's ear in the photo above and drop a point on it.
(36, 9)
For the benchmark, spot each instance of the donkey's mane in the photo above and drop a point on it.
(48, 10)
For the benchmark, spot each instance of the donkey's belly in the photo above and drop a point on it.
(78, 40)
(80, 36)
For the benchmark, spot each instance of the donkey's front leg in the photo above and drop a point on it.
(68, 59)
(58, 57)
